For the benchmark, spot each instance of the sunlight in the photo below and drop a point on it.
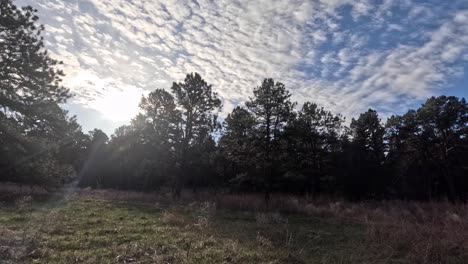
(119, 105)
(288, 131)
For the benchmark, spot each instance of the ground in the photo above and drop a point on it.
(89, 229)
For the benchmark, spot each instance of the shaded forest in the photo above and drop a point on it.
(268, 144)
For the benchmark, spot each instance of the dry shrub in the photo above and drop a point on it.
(55, 224)
(202, 222)
(135, 252)
(251, 202)
(171, 218)
(10, 192)
(205, 213)
(207, 208)
(17, 246)
(243, 202)
(126, 196)
(425, 233)
(263, 242)
(262, 219)
(270, 218)
(256, 202)
(8, 249)
(24, 203)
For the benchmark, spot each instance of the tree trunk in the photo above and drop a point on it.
(178, 184)
(451, 193)
(267, 196)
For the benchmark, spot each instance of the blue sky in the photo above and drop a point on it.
(346, 55)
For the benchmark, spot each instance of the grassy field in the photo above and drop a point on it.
(87, 228)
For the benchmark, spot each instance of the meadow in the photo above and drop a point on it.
(104, 226)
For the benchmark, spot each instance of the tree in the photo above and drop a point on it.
(95, 165)
(162, 116)
(29, 81)
(368, 134)
(427, 149)
(162, 133)
(197, 103)
(32, 125)
(404, 151)
(236, 148)
(444, 122)
(74, 143)
(272, 108)
(366, 175)
(312, 139)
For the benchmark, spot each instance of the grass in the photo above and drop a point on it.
(90, 227)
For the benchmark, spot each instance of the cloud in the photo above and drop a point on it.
(346, 55)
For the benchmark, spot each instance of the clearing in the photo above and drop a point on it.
(90, 229)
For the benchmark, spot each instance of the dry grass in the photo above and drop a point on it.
(171, 218)
(404, 232)
(431, 232)
(420, 232)
(18, 245)
(425, 233)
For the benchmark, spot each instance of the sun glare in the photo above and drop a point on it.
(118, 105)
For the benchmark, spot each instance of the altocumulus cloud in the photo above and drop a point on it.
(347, 55)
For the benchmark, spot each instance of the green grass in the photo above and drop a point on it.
(84, 230)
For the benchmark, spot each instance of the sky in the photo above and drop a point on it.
(345, 55)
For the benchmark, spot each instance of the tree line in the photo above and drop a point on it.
(267, 144)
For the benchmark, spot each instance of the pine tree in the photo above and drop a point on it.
(32, 124)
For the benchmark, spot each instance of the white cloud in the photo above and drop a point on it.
(115, 47)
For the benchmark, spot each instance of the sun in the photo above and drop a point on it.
(119, 104)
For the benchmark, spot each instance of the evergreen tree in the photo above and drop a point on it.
(198, 105)
(366, 176)
(313, 138)
(33, 127)
(163, 134)
(236, 148)
(271, 108)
